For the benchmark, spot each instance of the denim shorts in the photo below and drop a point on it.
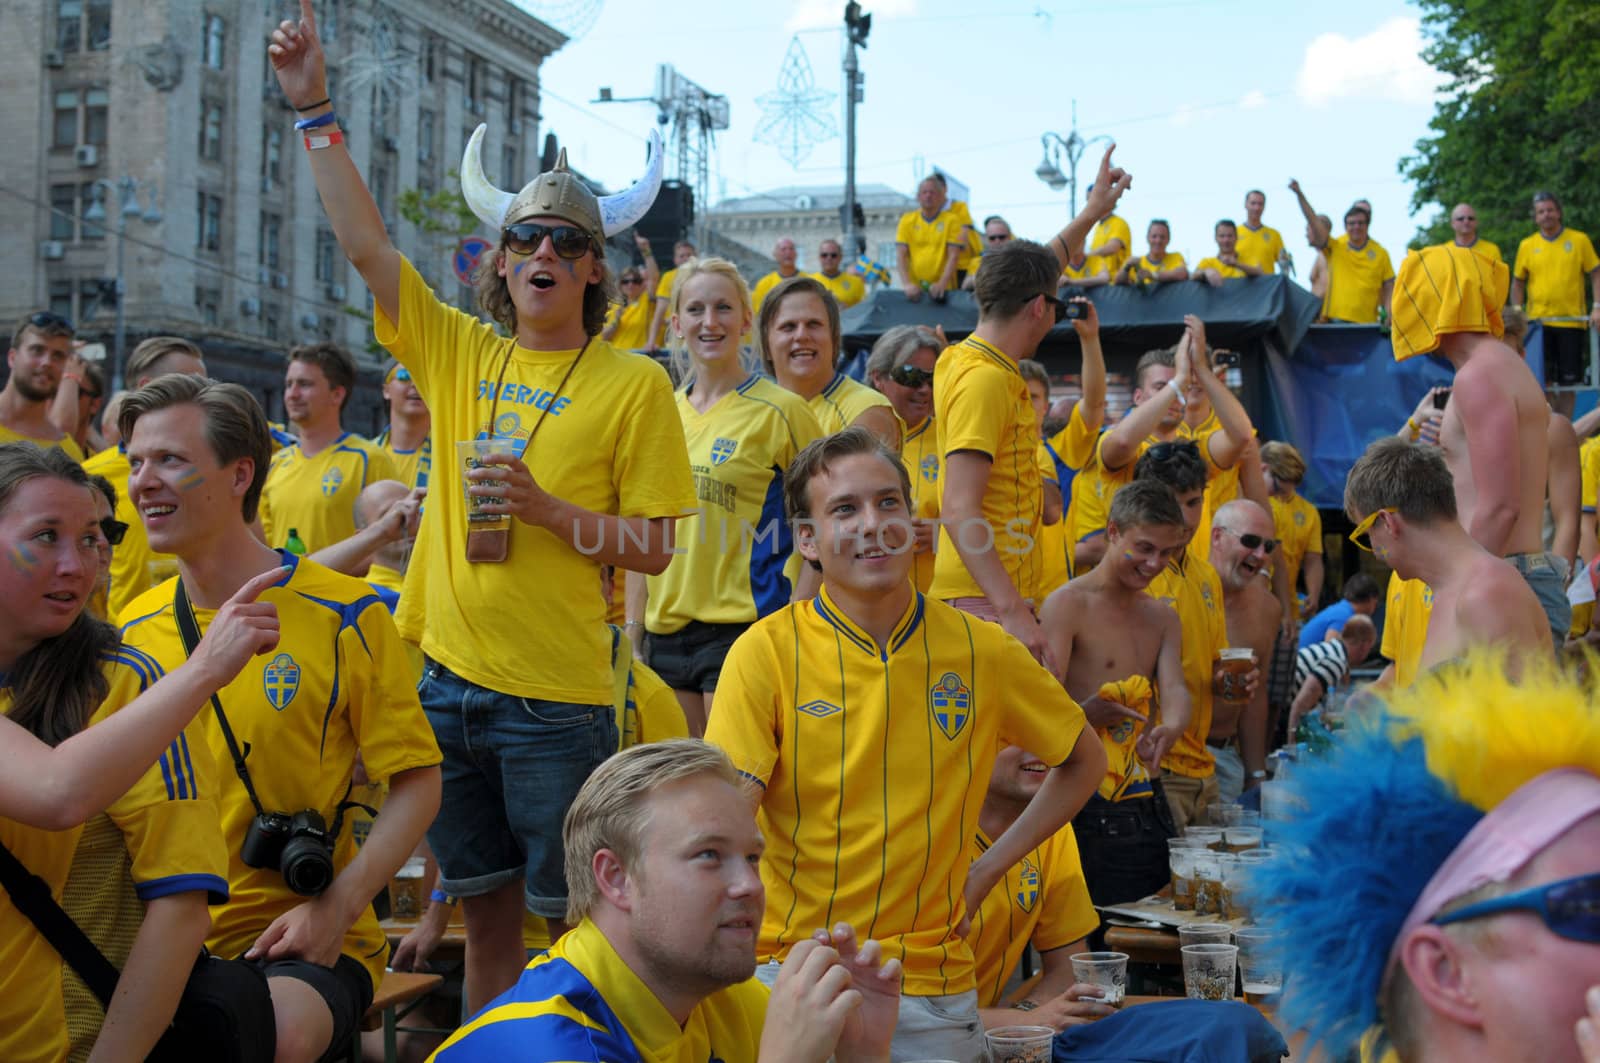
(511, 768)
(691, 658)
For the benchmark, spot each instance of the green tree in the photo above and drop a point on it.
(1520, 112)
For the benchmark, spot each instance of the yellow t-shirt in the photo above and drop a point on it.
(612, 443)
(981, 404)
(135, 568)
(837, 406)
(1355, 278)
(633, 328)
(158, 839)
(1554, 272)
(874, 766)
(338, 682)
(1228, 272)
(733, 546)
(316, 495)
(1051, 542)
(1589, 459)
(971, 243)
(929, 242)
(1191, 586)
(663, 298)
(1222, 485)
(920, 453)
(66, 443)
(647, 709)
(580, 1000)
(1171, 260)
(1259, 247)
(1043, 900)
(1109, 228)
(1092, 267)
(1298, 526)
(1405, 627)
(847, 288)
(411, 467)
(763, 288)
(1487, 248)
(1092, 491)
(1073, 449)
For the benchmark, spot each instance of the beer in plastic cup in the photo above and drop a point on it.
(1106, 970)
(1208, 971)
(1260, 966)
(1237, 662)
(1020, 1044)
(1205, 934)
(470, 453)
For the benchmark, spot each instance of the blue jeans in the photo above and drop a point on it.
(1546, 574)
(511, 768)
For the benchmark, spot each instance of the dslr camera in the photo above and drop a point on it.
(298, 846)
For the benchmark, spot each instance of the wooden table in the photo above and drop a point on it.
(1145, 944)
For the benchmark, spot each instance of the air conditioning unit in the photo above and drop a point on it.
(390, 144)
(280, 280)
(52, 249)
(250, 307)
(263, 275)
(54, 59)
(87, 155)
(309, 321)
(336, 293)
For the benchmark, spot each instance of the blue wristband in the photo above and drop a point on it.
(441, 897)
(318, 122)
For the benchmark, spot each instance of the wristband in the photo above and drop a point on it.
(318, 122)
(1416, 429)
(1025, 1005)
(441, 897)
(327, 141)
(633, 623)
(313, 106)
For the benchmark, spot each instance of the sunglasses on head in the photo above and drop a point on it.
(1570, 908)
(909, 376)
(524, 238)
(1251, 541)
(402, 374)
(1169, 451)
(45, 319)
(113, 530)
(1362, 534)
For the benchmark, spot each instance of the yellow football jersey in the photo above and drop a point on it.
(411, 467)
(1355, 277)
(847, 288)
(1405, 627)
(1554, 270)
(1191, 586)
(1228, 272)
(763, 287)
(1092, 267)
(337, 683)
(1171, 260)
(1092, 492)
(663, 298)
(1222, 485)
(1259, 247)
(883, 837)
(159, 838)
(920, 454)
(66, 443)
(971, 244)
(1589, 459)
(929, 242)
(1051, 542)
(647, 709)
(837, 406)
(1042, 901)
(1298, 526)
(611, 443)
(315, 495)
(1110, 228)
(981, 404)
(633, 328)
(732, 549)
(1487, 248)
(135, 568)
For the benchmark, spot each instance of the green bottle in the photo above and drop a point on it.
(295, 545)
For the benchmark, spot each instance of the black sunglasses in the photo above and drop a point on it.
(113, 529)
(1169, 451)
(909, 376)
(827, 254)
(1252, 542)
(997, 237)
(632, 280)
(524, 238)
(45, 319)
(1059, 305)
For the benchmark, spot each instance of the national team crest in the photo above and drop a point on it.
(952, 704)
(507, 424)
(1205, 593)
(722, 450)
(1028, 886)
(1299, 517)
(929, 467)
(332, 480)
(1567, 247)
(281, 681)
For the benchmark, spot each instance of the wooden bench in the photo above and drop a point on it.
(396, 996)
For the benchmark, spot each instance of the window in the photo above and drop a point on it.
(95, 294)
(208, 303)
(508, 166)
(271, 322)
(514, 103)
(430, 58)
(475, 84)
(380, 189)
(271, 157)
(211, 130)
(327, 249)
(213, 48)
(99, 25)
(95, 116)
(69, 24)
(328, 22)
(380, 114)
(63, 211)
(209, 223)
(271, 228)
(65, 124)
(425, 135)
(87, 194)
(61, 299)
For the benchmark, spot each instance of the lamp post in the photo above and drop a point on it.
(857, 25)
(128, 200)
(1072, 146)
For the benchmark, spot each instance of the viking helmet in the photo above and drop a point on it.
(559, 194)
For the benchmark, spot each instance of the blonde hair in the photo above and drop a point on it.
(682, 363)
(610, 811)
(1283, 462)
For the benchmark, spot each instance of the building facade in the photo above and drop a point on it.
(226, 241)
(810, 215)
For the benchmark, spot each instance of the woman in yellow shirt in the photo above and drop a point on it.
(1158, 265)
(901, 366)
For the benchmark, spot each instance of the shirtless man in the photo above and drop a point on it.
(1242, 544)
(1113, 642)
(1494, 434)
(1403, 502)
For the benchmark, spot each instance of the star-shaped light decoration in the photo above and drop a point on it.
(797, 117)
(380, 60)
(572, 17)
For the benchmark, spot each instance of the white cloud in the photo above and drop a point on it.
(1252, 100)
(1183, 115)
(1386, 64)
(829, 14)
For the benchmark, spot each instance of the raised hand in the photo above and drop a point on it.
(1109, 184)
(296, 56)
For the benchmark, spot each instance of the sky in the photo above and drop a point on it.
(1205, 99)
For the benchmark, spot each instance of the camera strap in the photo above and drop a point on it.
(189, 631)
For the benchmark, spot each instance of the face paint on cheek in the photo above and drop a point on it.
(570, 266)
(191, 478)
(23, 559)
(516, 271)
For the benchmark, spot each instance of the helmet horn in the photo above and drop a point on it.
(487, 202)
(623, 210)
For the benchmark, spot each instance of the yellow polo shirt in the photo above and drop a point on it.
(929, 241)
(1355, 277)
(764, 286)
(1405, 627)
(315, 495)
(873, 766)
(1259, 247)
(1191, 586)
(1554, 270)
(1228, 272)
(847, 288)
(611, 443)
(1171, 260)
(981, 404)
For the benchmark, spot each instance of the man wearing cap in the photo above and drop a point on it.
(1495, 432)
(1446, 911)
(593, 472)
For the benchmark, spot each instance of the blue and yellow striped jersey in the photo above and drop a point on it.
(874, 766)
(316, 496)
(580, 1003)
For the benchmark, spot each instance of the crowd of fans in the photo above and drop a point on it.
(776, 714)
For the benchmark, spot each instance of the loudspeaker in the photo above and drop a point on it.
(668, 220)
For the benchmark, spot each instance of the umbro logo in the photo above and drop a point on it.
(819, 709)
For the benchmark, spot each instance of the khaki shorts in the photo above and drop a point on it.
(1189, 798)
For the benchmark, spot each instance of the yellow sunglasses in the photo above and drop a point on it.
(1360, 536)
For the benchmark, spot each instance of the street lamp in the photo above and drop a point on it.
(1071, 147)
(95, 213)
